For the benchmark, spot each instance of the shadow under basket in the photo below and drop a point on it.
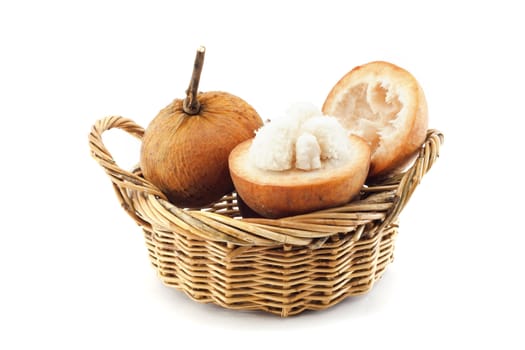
(282, 266)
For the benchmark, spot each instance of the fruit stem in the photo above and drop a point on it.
(191, 104)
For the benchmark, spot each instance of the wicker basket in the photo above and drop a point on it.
(285, 266)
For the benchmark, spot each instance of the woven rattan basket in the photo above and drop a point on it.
(286, 266)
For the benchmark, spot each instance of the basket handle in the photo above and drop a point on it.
(122, 180)
(411, 178)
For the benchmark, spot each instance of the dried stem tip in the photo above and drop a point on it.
(191, 105)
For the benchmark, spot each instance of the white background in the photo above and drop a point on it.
(74, 270)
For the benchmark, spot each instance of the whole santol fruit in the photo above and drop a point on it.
(185, 148)
(298, 164)
(385, 105)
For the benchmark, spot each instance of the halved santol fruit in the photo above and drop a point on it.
(385, 105)
(298, 165)
(186, 146)
(274, 194)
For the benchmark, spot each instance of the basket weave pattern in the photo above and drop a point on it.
(282, 266)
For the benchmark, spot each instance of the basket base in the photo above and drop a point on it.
(281, 280)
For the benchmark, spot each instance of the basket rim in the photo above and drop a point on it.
(379, 205)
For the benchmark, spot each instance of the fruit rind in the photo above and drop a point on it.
(371, 91)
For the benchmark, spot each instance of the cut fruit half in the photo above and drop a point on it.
(275, 194)
(385, 105)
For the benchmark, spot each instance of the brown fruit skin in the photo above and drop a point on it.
(287, 198)
(245, 211)
(186, 156)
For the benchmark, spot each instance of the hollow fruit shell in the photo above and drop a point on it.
(368, 92)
